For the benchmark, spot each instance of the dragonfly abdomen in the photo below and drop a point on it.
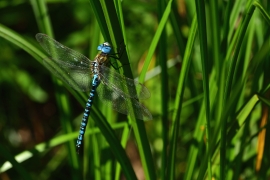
(95, 83)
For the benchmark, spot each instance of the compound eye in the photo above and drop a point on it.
(106, 50)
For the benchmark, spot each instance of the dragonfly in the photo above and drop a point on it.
(82, 74)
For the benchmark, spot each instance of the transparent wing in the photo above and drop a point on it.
(122, 103)
(68, 65)
(122, 84)
(77, 78)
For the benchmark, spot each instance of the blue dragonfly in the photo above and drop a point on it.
(76, 70)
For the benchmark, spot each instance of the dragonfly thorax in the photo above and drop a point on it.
(100, 60)
(95, 68)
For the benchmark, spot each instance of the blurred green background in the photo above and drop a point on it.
(30, 113)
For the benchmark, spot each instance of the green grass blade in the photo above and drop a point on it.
(42, 17)
(42, 147)
(263, 12)
(200, 7)
(179, 100)
(155, 40)
(114, 31)
(162, 58)
(21, 42)
(139, 128)
(229, 87)
(43, 20)
(111, 30)
(196, 148)
(19, 168)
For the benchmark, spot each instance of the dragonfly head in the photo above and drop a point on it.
(105, 48)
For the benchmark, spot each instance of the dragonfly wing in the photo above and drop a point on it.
(122, 84)
(122, 103)
(77, 78)
(58, 51)
(67, 64)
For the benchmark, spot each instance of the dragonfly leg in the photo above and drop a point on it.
(120, 52)
(118, 55)
(116, 68)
